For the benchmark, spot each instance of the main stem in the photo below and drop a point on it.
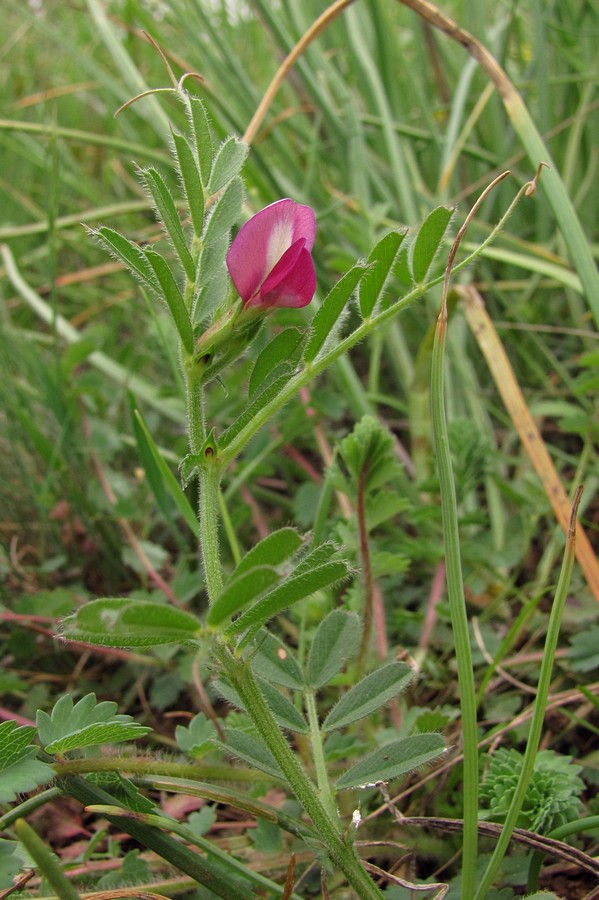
(343, 855)
(239, 672)
(209, 475)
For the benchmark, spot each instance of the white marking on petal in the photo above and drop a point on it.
(279, 240)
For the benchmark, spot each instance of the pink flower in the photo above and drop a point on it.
(270, 260)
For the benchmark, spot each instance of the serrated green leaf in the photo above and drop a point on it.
(333, 305)
(267, 838)
(393, 760)
(257, 404)
(126, 252)
(295, 588)
(196, 739)
(162, 481)
(132, 870)
(169, 217)
(384, 505)
(173, 297)
(336, 640)
(279, 351)
(118, 622)
(275, 662)
(13, 858)
(428, 242)
(86, 723)
(20, 771)
(98, 734)
(369, 694)
(240, 591)
(369, 453)
(191, 180)
(272, 550)
(202, 821)
(381, 260)
(228, 163)
(225, 212)
(385, 563)
(202, 138)
(251, 750)
(284, 712)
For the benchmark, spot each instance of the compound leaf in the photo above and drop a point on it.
(118, 622)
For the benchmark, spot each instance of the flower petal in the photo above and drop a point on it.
(264, 239)
(296, 288)
(283, 267)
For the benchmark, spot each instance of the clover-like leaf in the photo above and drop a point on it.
(86, 723)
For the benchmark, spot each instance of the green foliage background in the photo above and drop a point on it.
(381, 120)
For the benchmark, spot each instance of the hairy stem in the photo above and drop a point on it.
(368, 609)
(210, 475)
(142, 766)
(342, 854)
